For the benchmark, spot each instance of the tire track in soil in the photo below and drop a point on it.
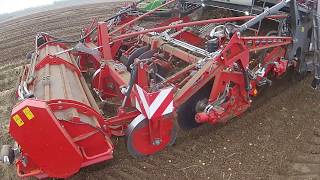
(304, 164)
(200, 153)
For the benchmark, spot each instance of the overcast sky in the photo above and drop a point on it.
(7, 6)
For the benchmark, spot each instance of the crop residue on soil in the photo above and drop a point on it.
(257, 145)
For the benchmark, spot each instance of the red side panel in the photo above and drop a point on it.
(42, 138)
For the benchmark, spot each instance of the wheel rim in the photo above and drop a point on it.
(138, 141)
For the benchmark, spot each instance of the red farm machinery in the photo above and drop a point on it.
(144, 81)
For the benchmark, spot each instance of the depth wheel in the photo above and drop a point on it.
(187, 111)
(138, 137)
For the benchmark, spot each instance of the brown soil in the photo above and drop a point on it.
(276, 138)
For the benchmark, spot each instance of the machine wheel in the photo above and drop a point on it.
(138, 141)
(187, 111)
(135, 55)
(147, 54)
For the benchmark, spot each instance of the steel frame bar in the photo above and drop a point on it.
(194, 23)
(140, 17)
(179, 74)
(104, 41)
(163, 45)
(263, 42)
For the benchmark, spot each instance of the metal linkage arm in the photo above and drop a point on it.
(268, 11)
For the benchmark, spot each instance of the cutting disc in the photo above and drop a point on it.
(135, 55)
(187, 111)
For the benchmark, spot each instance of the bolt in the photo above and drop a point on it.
(157, 142)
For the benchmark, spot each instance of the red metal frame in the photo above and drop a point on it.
(103, 41)
(194, 23)
(236, 51)
(240, 47)
(54, 60)
(84, 144)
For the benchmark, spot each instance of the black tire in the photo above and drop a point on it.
(187, 111)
